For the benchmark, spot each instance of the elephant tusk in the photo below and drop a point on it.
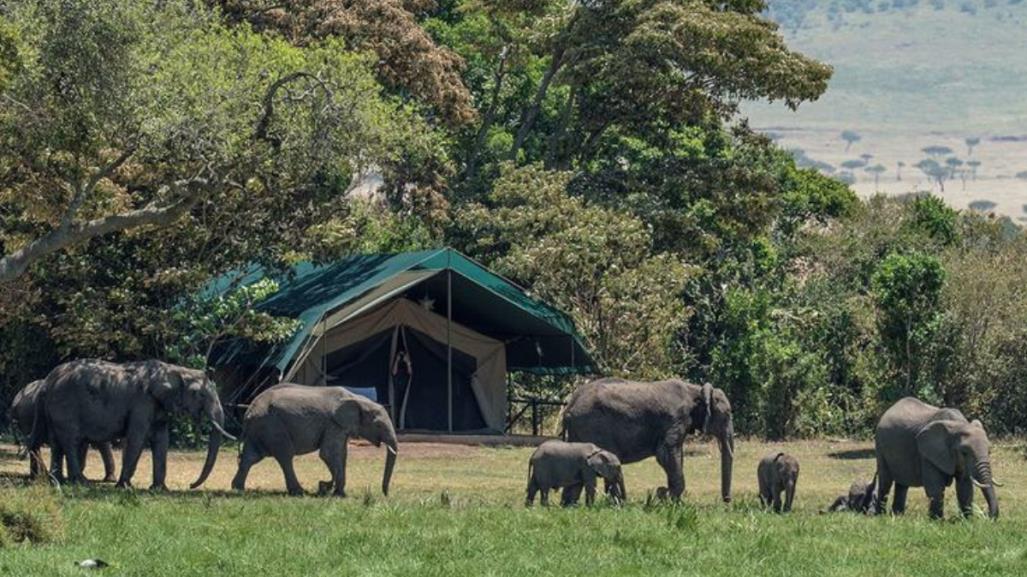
(221, 430)
(978, 484)
(995, 482)
(391, 450)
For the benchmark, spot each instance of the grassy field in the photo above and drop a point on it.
(458, 511)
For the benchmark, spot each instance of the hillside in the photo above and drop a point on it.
(911, 75)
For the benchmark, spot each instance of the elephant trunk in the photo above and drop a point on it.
(727, 457)
(217, 420)
(391, 450)
(986, 483)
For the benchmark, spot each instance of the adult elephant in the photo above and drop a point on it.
(920, 445)
(288, 420)
(637, 420)
(98, 401)
(23, 412)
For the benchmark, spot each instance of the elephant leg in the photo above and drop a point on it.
(334, 456)
(250, 456)
(789, 496)
(590, 493)
(159, 441)
(56, 467)
(130, 459)
(777, 490)
(292, 483)
(884, 483)
(570, 495)
(544, 498)
(83, 455)
(669, 457)
(934, 486)
(107, 455)
(965, 495)
(529, 499)
(65, 448)
(898, 506)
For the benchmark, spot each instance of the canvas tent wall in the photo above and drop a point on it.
(363, 352)
(482, 312)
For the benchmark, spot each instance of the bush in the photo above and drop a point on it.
(29, 515)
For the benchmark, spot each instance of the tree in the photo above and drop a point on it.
(936, 150)
(850, 137)
(934, 171)
(877, 170)
(898, 169)
(854, 164)
(866, 157)
(971, 142)
(125, 115)
(596, 263)
(907, 291)
(974, 165)
(409, 61)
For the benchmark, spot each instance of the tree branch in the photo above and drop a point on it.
(15, 264)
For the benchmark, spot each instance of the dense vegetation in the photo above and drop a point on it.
(591, 151)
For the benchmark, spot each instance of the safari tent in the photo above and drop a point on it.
(431, 335)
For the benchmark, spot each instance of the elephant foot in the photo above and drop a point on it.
(662, 493)
(295, 491)
(324, 487)
(123, 485)
(159, 488)
(109, 479)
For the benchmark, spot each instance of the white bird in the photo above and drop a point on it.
(93, 564)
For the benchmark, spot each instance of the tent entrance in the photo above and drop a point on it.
(416, 365)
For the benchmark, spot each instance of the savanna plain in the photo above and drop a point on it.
(458, 510)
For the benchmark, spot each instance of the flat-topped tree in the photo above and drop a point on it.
(936, 150)
(854, 164)
(850, 137)
(974, 165)
(934, 171)
(971, 142)
(898, 169)
(877, 170)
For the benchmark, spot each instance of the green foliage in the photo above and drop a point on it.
(932, 216)
(907, 290)
(205, 319)
(596, 263)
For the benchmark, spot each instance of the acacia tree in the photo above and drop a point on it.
(971, 142)
(124, 115)
(877, 170)
(850, 137)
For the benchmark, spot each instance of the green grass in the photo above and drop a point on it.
(482, 528)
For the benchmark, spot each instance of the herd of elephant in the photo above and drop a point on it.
(606, 423)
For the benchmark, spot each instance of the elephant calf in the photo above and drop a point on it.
(289, 419)
(860, 498)
(557, 464)
(778, 473)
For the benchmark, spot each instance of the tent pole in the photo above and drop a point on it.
(449, 347)
(324, 353)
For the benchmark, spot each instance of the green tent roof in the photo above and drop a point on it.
(538, 337)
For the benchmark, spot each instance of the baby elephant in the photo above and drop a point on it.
(572, 466)
(778, 473)
(859, 500)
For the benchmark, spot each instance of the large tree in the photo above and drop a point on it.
(122, 115)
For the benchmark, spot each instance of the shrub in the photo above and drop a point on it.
(29, 515)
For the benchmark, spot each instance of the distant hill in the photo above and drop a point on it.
(910, 75)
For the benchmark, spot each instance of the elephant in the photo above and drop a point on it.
(98, 401)
(637, 420)
(919, 445)
(289, 419)
(571, 466)
(22, 414)
(860, 498)
(777, 473)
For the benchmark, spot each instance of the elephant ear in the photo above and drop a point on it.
(707, 397)
(350, 415)
(163, 384)
(600, 462)
(936, 443)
